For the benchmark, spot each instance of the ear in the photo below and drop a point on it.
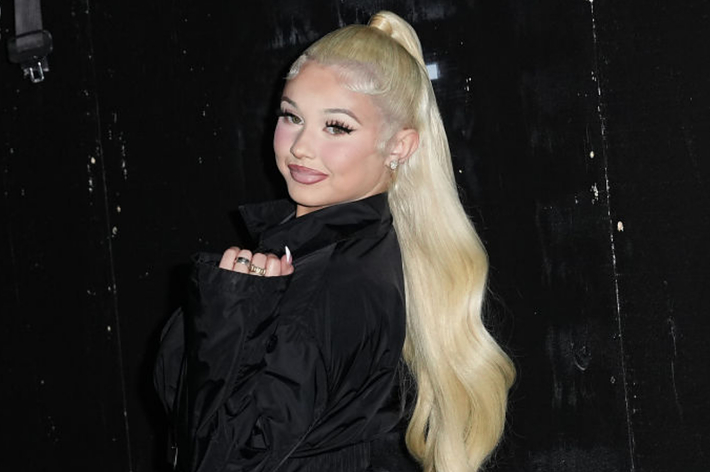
(405, 142)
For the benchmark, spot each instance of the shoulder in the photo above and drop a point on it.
(362, 292)
(363, 261)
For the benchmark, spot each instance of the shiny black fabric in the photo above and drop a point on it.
(293, 373)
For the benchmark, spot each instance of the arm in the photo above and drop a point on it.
(251, 386)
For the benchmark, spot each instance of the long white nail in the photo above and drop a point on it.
(289, 258)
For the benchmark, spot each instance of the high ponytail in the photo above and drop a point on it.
(462, 375)
(400, 31)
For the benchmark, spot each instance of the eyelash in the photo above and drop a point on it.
(338, 126)
(286, 114)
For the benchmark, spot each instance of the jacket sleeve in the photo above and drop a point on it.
(249, 388)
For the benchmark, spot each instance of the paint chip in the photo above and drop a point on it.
(620, 226)
(591, 154)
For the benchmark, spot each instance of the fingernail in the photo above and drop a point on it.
(289, 258)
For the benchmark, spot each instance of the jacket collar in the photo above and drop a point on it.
(273, 224)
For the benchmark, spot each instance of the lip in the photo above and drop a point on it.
(306, 175)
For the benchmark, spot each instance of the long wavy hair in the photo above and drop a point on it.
(461, 373)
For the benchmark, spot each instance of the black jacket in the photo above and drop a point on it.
(293, 373)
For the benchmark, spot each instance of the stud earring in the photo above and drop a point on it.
(393, 165)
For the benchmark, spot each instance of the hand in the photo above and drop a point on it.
(272, 266)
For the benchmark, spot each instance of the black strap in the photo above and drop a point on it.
(31, 44)
(28, 16)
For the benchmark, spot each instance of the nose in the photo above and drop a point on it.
(302, 147)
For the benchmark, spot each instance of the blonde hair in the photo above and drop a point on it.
(462, 375)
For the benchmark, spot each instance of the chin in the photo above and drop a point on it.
(311, 202)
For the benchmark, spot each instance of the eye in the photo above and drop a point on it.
(290, 117)
(337, 127)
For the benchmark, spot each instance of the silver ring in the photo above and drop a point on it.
(242, 260)
(257, 270)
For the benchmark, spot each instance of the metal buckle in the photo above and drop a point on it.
(30, 70)
(30, 50)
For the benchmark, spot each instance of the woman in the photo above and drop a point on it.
(288, 358)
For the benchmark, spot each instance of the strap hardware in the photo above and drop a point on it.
(30, 50)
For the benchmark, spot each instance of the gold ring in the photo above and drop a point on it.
(257, 270)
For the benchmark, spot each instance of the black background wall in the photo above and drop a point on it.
(580, 133)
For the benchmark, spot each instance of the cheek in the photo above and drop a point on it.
(353, 162)
(340, 156)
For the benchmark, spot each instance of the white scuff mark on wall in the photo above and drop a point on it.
(118, 208)
(108, 328)
(467, 87)
(620, 226)
(114, 231)
(124, 169)
(123, 145)
(625, 381)
(591, 154)
(595, 193)
(89, 170)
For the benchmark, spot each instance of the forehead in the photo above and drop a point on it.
(318, 86)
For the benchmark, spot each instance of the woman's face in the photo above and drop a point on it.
(326, 141)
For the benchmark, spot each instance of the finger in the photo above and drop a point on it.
(258, 261)
(242, 261)
(228, 258)
(286, 265)
(273, 266)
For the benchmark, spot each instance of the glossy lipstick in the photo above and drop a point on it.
(306, 175)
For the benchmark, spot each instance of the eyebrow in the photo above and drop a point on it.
(344, 111)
